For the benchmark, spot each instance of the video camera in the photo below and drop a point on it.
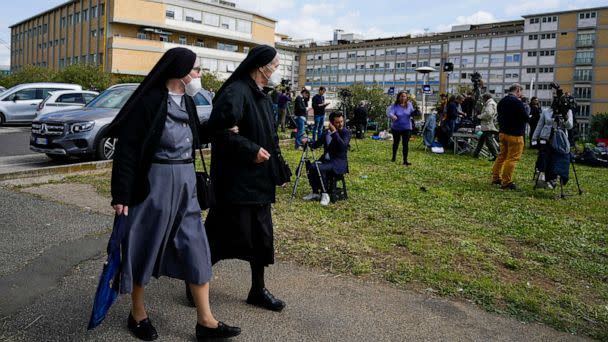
(345, 93)
(561, 103)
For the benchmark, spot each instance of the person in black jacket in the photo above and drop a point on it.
(154, 186)
(245, 169)
(512, 120)
(300, 112)
(535, 113)
(360, 119)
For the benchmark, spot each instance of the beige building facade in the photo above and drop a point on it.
(127, 37)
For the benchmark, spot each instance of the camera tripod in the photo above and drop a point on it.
(562, 194)
(307, 155)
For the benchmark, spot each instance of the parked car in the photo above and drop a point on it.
(62, 100)
(81, 132)
(2, 89)
(19, 103)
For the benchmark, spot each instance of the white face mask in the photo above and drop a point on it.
(275, 77)
(194, 86)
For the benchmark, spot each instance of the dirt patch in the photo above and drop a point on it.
(80, 195)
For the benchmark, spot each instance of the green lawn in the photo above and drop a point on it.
(439, 226)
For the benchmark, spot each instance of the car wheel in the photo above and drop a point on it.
(58, 157)
(105, 148)
(2, 119)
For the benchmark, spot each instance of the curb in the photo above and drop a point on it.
(81, 167)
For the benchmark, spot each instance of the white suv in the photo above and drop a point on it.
(19, 103)
(61, 100)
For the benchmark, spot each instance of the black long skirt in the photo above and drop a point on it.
(241, 232)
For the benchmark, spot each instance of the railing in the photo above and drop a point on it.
(581, 42)
(583, 78)
(583, 60)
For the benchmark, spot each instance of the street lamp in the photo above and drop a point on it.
(425, 70)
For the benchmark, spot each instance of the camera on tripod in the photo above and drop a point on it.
(562, 103)
(345, 93)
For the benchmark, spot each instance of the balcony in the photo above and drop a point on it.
(583, 60)
(585, 42)
(583, 78)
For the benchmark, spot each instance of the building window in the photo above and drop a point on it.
(76, 18)
(227, 47)
(200, 43)
(545, 70)
(243, 26)
(170, 14)
(587, 15)
(211, 19)
(102, 9)
(582, 93)
(62, 22)
(93, 33)
(142, 35)
(228, 23)
(533, 37)
(531, 70)
(547, 36)
(245, 49)
(183, 40)
(584, 110)
(85, 15)
(531, 53)
(164, 38)
(534, 20)
(94, 12)
(69, 19)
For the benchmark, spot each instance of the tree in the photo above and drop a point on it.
(128, 79)
(377, 101)
(599, 126)
(29, 74)
(88, 76)
(211, 81)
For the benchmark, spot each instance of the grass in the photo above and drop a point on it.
(440, 226)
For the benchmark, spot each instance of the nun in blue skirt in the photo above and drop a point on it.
(154, 186)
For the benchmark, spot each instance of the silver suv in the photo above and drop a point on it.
(82, 132)
(19, 103)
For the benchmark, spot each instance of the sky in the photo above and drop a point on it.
(372, 18)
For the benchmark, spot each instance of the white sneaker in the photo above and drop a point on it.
(311, 196)
(324, 199)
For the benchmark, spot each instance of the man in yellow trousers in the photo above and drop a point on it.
(512, 120)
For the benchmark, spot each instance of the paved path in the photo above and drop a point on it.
(51, 255)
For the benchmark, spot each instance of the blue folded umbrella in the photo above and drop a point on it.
(109, 281)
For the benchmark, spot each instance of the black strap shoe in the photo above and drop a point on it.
(222, 331)
(143, 330)
(265, 299)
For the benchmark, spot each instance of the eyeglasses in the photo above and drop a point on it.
(197, 69)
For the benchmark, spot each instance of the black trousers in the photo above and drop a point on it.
(405, 136)
(486, 138)
(313, 176)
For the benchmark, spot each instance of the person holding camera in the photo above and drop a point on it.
(548, 125)
(512, 120)
(488, 126)
(319, 105)
(300, 112)
(400, 113)
(334, 160)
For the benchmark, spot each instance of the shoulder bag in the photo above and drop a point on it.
(204, 186)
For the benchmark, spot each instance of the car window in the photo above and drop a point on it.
(88, 97)
(200, 100)
(113, 98)
(70, 98)
(24, 95)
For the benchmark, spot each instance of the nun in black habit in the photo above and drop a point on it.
(154, 186)
(245, 169)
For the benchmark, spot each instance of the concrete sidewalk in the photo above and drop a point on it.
(320, 307)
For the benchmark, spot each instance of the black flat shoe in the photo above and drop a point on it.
(265, 299)
(222, 331)
(143, 330)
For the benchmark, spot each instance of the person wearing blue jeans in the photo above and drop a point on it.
(318, 105)
(300, 106)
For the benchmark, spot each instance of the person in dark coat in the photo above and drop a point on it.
(245, 170)
(535, 112)
(154, 186)
(333, 161)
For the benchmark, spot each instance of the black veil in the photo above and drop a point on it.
(257, 57)
(175, 63)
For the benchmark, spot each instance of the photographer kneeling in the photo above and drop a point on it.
(550, 159)
(334, 160)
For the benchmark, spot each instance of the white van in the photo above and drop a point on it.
(19, 103)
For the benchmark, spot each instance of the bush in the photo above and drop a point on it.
(211, 81)
(29, 74)
(128, 79)
(377, 101)
(88, 76)
(599, 127)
